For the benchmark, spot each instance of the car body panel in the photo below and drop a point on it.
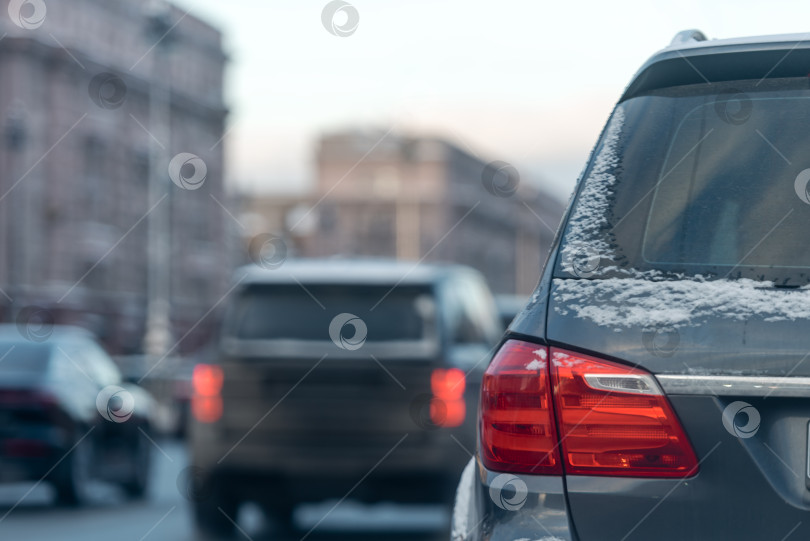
(710, 345)
(494, 506)
(722, 60)
(712, 365)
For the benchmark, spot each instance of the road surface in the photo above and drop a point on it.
(27, 513)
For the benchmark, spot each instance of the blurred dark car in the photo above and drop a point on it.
(656, 385)
(341, 379)
(66, 417)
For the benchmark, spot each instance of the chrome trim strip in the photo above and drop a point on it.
(735, 385)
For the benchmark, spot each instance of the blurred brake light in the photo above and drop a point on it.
(206, 409)
(448, 384)
(27, 397)
(25, 448)
(207, 379)
(448, 407)
(206, 403)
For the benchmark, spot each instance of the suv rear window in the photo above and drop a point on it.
(266, 312)
(708, 179)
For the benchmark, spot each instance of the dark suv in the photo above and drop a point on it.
(340, 379)
(656, 385)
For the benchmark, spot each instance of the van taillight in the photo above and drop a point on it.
(585, 415)
(206, 402)
(207, 379)
(448, 407)
(517, 421)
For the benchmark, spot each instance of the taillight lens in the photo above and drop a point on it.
(26, 397)
(517, 422)
(206, 402)
(207, 379)
(24, 448)
(448, 384)
(448, 408)
(614, 420)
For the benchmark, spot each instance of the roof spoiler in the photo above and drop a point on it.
(685, 36)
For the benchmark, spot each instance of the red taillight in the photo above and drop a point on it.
(207, 379)
(26, 397)
(448, 384)
(517, 421)
(206, 409)
(615, 420)
(206, 403)
(448, 408)
(22, 448)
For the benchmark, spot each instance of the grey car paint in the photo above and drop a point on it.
(747, 487)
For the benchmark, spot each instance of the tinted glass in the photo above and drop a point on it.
(707, 179)
(23, 358)
(292, 312)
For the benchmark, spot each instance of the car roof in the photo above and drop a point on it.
(691, 39)
(350, 271)
(692, 59)
(10, 332)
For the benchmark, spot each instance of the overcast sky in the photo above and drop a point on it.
(525, 81)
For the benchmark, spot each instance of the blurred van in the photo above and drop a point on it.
(340, 379)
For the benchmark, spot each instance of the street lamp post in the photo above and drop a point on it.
(16, 136)
(158, 337)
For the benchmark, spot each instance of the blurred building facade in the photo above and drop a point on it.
(79, 147)
(416, 198)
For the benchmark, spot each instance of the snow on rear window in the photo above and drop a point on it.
(631, 302)
(584, 246)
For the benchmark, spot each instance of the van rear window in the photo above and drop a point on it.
(304, 312)
(709, 179)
